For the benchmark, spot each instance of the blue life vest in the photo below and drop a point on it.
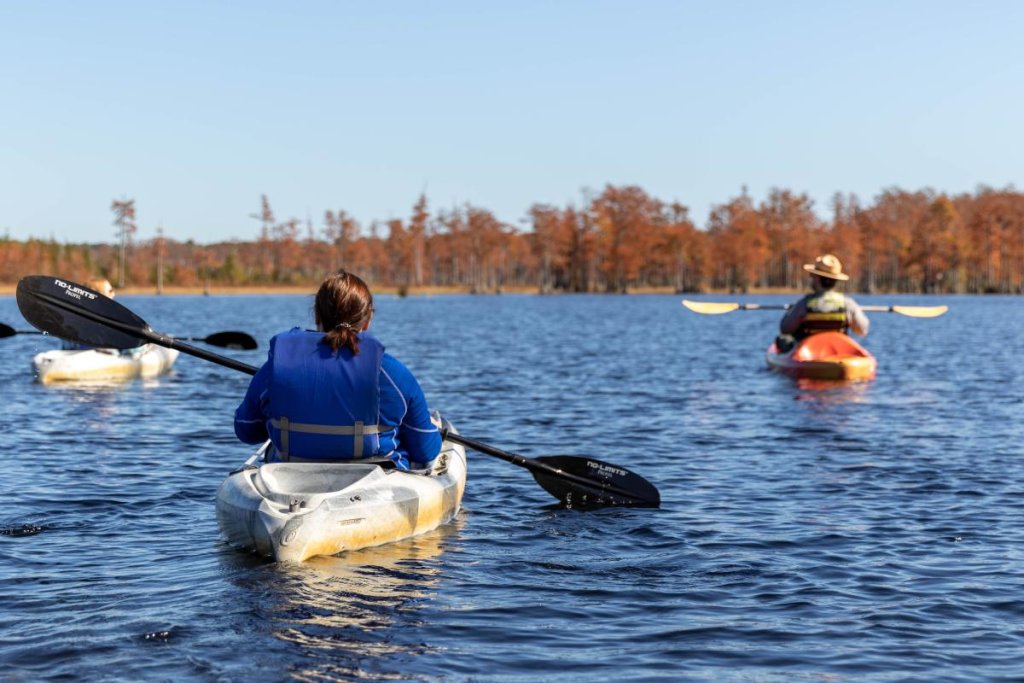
(826, 312)
(324, 405)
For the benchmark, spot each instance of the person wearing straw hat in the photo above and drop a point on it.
(824, 309)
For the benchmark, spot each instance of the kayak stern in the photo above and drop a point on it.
(826, 355)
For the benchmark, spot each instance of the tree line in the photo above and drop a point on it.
(619, 240)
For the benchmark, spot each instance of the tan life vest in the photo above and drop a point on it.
(826, 312)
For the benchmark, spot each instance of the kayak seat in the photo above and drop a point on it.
(286, 480)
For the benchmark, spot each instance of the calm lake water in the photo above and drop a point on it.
(870, 532)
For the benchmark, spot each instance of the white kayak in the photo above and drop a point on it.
(292, 511)
(59, 365)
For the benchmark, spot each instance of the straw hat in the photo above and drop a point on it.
(827, 266)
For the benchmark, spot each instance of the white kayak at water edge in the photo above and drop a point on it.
(86, 365)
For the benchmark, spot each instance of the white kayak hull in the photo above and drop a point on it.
(87, 365)
(292, 511)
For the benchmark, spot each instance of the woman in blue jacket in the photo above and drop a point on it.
(334, 394)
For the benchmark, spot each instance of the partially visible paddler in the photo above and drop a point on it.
(102, 285)
(824, 309)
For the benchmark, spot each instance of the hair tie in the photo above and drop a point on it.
(346, 326)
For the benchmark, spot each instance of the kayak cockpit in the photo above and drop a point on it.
(828, 347)
(284, 482)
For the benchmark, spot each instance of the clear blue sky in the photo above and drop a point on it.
(196, 108)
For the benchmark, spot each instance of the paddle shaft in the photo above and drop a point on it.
(903, 310)
(531, 464)
(11, 333)
(786, 307)
(882, 309)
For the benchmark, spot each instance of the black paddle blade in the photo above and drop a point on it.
(7, 331)
(72, 312)
(231, 340)
(606, 484)
(579, 482)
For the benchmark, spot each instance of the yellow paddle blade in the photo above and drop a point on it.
(710, 308)
(920, 311)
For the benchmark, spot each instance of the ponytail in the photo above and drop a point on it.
(343, 334)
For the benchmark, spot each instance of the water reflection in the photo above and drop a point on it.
(110, 385)
(97, 402)
(347, 610)
(830, 391)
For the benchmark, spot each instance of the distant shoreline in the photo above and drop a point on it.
(9, 290)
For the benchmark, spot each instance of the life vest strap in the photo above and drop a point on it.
(357, 431)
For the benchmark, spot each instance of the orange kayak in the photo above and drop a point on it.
(826, 355)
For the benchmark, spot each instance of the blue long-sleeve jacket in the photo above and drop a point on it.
(416, 442)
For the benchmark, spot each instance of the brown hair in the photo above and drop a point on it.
(343, 307)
